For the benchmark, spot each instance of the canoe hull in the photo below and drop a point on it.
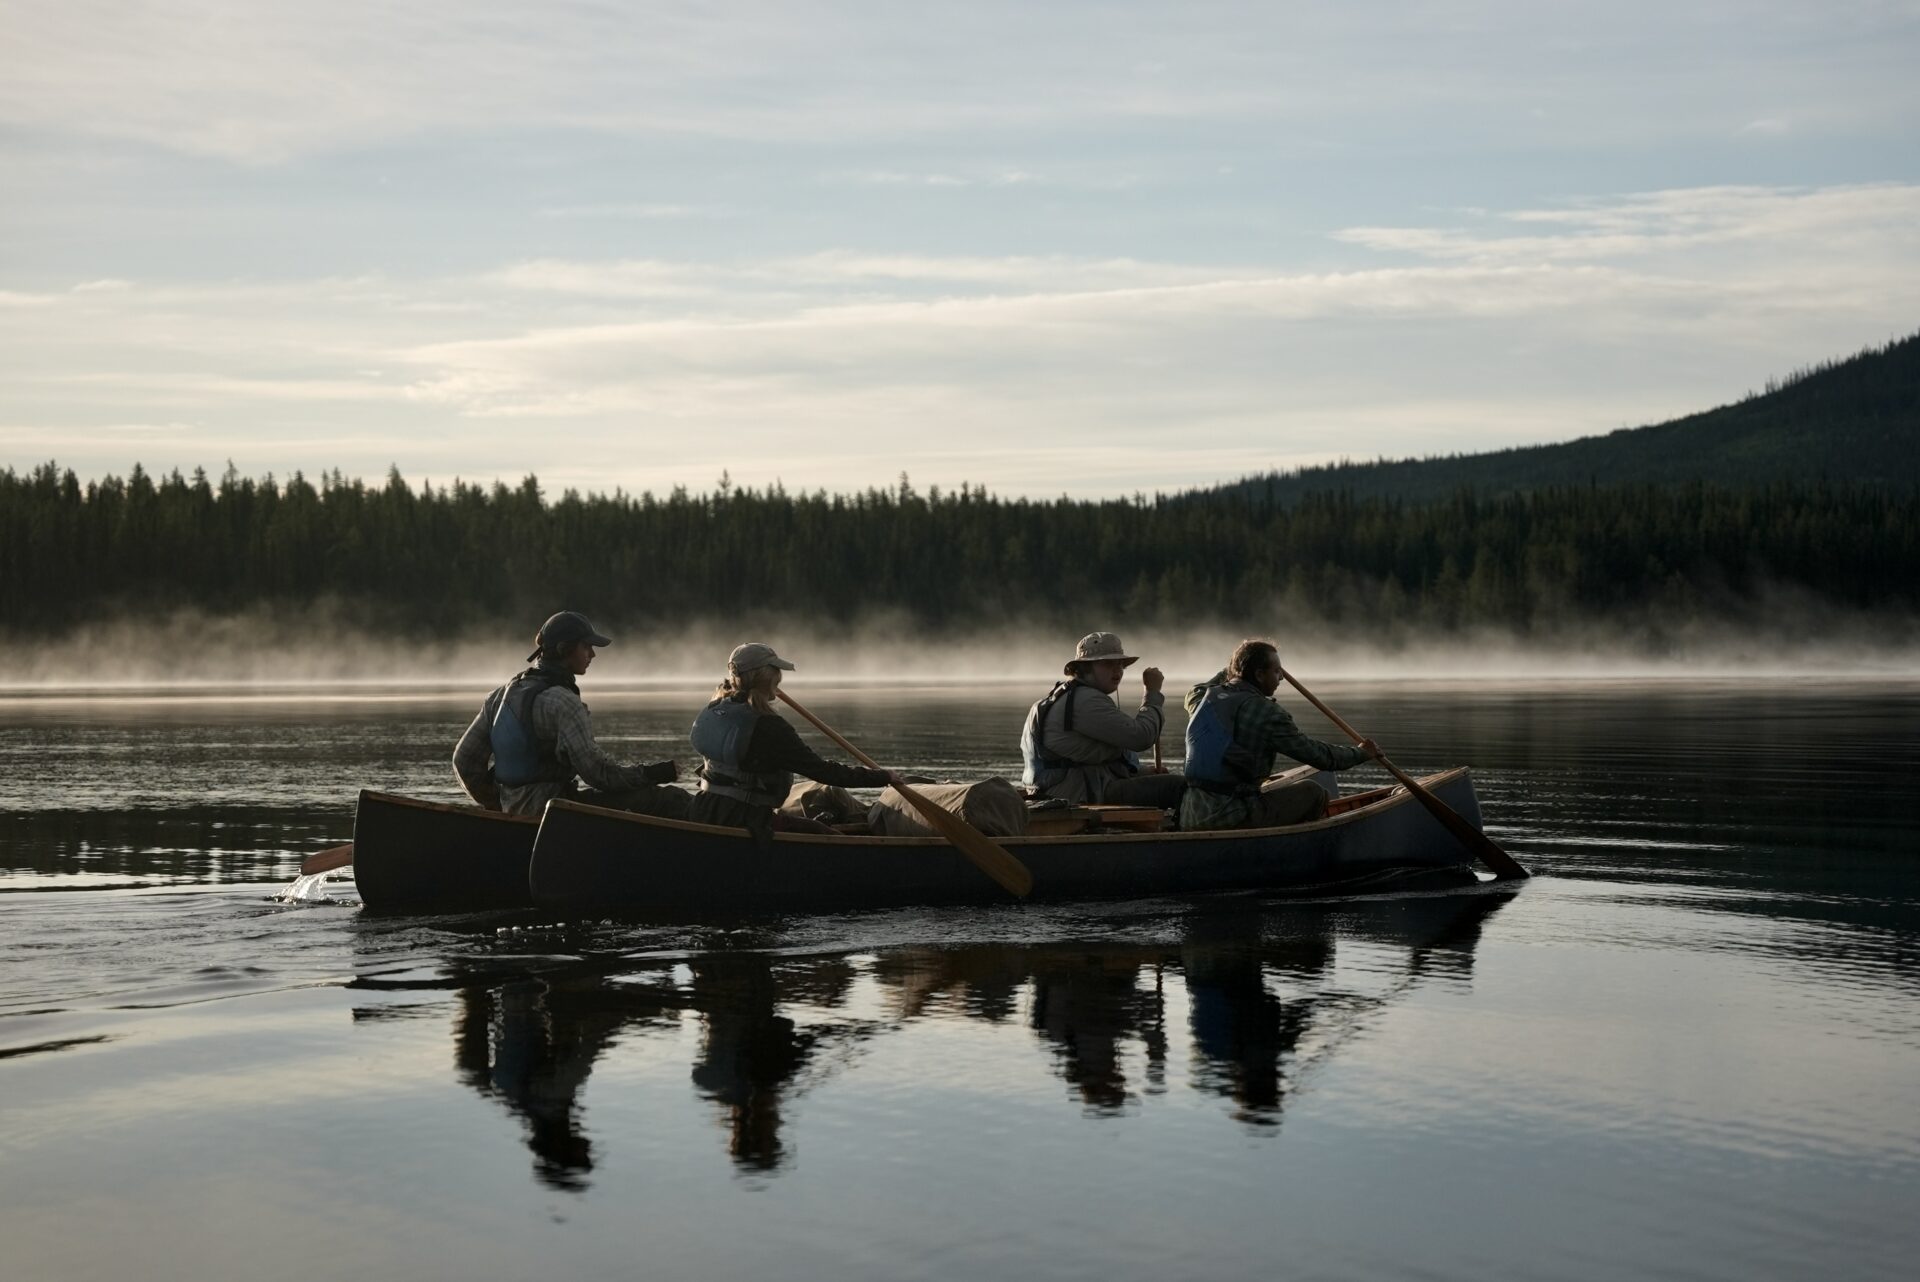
(425, 857)
(589, 859)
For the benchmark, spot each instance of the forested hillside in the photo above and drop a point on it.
(1852, 421)
(469, 555)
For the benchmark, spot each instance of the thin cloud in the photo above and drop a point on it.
(673, 368)
(643, 211)
(264, 83)
(1670, 222)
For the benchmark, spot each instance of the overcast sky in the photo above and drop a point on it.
(1092, 248)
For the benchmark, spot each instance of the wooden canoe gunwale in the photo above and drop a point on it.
(591, 859)
(444, 807)
(1395, 796)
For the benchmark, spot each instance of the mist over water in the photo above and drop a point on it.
(334, 645)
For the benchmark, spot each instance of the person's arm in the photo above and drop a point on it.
(1097, 717)
(574, 744)
(1273, 727)
(472, 760)
(776, 746)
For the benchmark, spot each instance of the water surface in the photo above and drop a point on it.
(1689, 1047)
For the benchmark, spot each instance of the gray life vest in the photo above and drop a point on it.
(1216, 761)
(520, 757)
(1044, 769)
(720, 735)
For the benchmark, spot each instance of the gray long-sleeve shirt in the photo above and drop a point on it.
(561, 719)
(1101, 737)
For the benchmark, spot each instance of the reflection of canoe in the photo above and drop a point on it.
(422, 856)
(586, 858)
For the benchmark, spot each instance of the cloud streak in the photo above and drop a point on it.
(268, 81)
(839, 367)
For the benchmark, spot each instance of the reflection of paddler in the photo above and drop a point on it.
(749, 1053)
(1085, 1004)
(1249, 1038)
(532, 1044)
(1241, 1031)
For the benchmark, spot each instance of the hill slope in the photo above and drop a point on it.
(1855, 421)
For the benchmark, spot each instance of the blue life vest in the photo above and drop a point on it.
(721, 734)
(1045, 769)
(519, 756)
(1216, 761)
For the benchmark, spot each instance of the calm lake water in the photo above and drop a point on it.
(1688, 1048)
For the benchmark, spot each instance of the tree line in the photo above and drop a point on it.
(467, 555)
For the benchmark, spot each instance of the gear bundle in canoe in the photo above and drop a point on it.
(421, 856)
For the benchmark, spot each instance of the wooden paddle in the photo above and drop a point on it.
(327, 860)
(1477, 843)
(991, 858)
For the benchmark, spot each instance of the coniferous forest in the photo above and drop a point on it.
(1779, 513)
(470, 555)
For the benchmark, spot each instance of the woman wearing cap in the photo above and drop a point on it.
(533, 737)
(1079, 746)
(752, 754)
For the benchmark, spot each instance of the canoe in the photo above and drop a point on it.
(425, 856)
(590, 859)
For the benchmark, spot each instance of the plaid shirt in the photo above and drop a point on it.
(559, 718)
(1267, 729)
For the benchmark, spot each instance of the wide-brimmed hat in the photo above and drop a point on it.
(755, 654)
(1096, 646)
(559, 629)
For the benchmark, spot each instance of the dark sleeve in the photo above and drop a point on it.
(473, 756)
(776, 745)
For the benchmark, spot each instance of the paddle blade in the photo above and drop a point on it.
(988, 856)
(1477, 843)
(327, 860)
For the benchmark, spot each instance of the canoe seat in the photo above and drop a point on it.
(1060, 821)
(1353, 801)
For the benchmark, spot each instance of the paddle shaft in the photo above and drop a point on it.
(327, 860)
(1504, 866)
(988, 856)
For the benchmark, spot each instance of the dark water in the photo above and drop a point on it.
(1690, 1047)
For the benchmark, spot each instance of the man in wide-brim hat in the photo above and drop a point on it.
(533, 739)
(1077, 743)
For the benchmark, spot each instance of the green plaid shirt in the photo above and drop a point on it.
(1267, 729)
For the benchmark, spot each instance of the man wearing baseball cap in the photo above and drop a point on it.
(1078, 745)
(533, 740)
